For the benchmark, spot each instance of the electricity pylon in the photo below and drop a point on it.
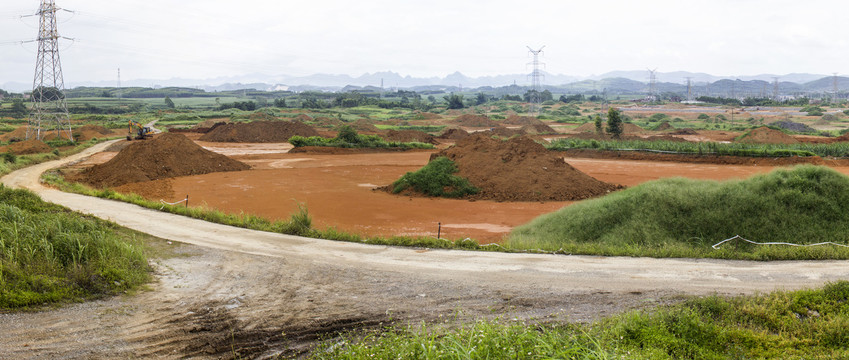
(535, 82)
(49, 108)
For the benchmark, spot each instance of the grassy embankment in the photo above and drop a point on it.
(349, 138)
(683, 218)
(806, 324)
(836, 150)
(49, 254)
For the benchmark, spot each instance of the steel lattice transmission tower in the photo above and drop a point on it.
(653, 85)
(49, 108)
(536, 84)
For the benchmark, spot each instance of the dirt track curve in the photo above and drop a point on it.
(256, 294)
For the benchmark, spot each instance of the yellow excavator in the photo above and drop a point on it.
(138, 131)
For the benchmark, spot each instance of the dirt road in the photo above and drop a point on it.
(255, 294)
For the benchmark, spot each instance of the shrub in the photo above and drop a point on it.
(704, 117)
(436, 179)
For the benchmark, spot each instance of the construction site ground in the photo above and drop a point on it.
(235, 293)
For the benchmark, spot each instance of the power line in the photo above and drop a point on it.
(48, 89)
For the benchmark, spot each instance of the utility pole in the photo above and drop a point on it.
(48, 87)
(536, 84)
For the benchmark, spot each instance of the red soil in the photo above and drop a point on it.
(410, 136)
(258, 132)
(453, 134)
(520, 169)
(165, 156)
(765, 135)
(28, 147)
(475, 121)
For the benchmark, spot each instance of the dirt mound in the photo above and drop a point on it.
(28, 147)
(504, 132)
(765, 135)
(258, 132)
(365, 125)
(410, 136)
(302, 118)
(684, 132)
(327, 122)
(88, 132)
(165, 156)
(664, 126)
(475, 121)
(426, 116)
(520, 169)
(453, 134)
(541, 128)
(521, 120)
(15, 135)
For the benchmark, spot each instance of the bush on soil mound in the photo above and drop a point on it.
(165, 156)
(258, 132)
(519, 169)
(765, 135)
(28, 147)
(670, 217)
(435, 179)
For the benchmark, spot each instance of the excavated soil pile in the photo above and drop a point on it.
(165, 156)
(302, 118)
(504, 132)
(410, 136)
(520, 169)
(627, 128)
(664, 126)
(426, 116)
(521, 120)
(365, 125)
(258, 132)
(685, 132)
(88, 132)
(540, 128)
(475, 121)
(453, 134)
(327, 122)
(765, 135)
(15, 135)
(210, 123)
(28, 147)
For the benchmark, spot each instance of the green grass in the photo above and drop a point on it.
(49, 254)
(805, 324)
(348, 138)
(436, 179)
(683, 218)
(836, 150)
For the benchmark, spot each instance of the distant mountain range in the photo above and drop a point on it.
(614, 81)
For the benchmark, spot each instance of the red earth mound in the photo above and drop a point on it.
(88, 132)
(28, 147)
(410, 136)
(541, 128)
(475, 121)
(327, 122)
(664, 126)
(765, 135)
(365, 125)
(520, 169)
(453, 134)
(165, 156)
(15, 135)
(521, 120)
(258, 132)
(504, 132)
(426, 116)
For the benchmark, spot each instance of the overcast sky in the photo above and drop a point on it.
(199, 39)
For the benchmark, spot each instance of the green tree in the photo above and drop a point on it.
(169, 103)
(546, 95)
(280, 102)
(454, 101)
(481, 99)
(614, 123)
(598, 126)
(348, 135)
(19, 109)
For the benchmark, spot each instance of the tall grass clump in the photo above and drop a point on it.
(683, 218)
(436, 179)
(49, 254)
(804, 324)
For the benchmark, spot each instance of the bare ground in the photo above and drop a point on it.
(240, 293)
